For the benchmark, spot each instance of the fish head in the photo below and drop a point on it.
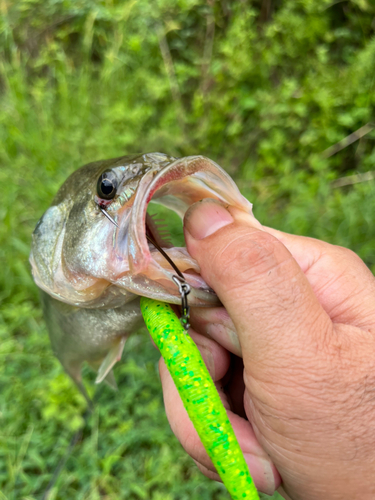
(80, 257)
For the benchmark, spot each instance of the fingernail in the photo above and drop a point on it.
(208, 359)
(227, 337)
(263, 473)
(206, 217)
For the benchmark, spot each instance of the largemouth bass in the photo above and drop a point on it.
(92, 268)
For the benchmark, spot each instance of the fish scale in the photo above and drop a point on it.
(92, 258)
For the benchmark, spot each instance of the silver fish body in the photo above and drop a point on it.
(92, 272)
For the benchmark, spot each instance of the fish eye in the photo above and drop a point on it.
(107, 186)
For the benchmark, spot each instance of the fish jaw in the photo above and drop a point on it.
(80, 278)
(76, 252)
(177, 186)
(81, 258)
(95, 270)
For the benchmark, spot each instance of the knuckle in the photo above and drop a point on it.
(208, 472)
(348, 255)
(248, 255)
(193, 446)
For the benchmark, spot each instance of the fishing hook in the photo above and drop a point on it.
(183, 286)
(104, 212)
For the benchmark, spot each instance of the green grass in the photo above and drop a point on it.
(262, 94)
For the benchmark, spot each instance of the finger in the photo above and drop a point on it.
(208, 472)
(216, 358)
(215, 323)
(338, 277)
(264, 290)
(283, 494)
(264, 473)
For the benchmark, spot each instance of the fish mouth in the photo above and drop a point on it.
(176, 186)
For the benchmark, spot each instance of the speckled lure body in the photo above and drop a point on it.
(200, 397)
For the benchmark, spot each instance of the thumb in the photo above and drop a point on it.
(272, 305)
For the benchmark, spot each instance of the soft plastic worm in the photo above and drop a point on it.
(200, 397)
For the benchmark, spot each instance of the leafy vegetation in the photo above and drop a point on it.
(263, 87)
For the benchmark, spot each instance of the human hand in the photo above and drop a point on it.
(301, 314)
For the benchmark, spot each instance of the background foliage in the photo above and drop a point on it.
(263, 87)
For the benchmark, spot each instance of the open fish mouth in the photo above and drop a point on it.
(90, 251)
(176, 186)
(83, 259)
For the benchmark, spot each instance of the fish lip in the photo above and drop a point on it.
(218, 185)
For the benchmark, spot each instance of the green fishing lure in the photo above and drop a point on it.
(200, 397)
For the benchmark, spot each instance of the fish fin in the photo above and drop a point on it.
(74, 373)
(114, 355)
(111, 381)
